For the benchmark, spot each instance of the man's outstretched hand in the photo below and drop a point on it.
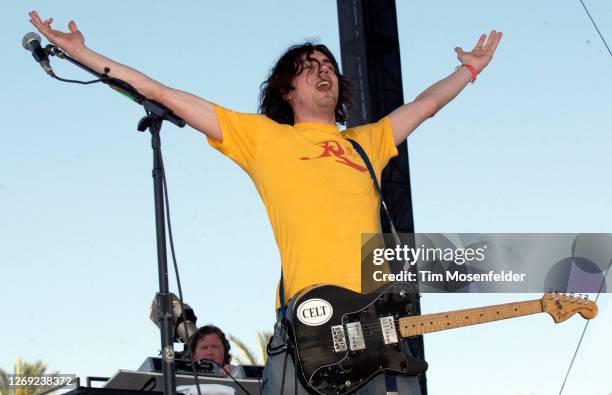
(481, 55)
(69, 42)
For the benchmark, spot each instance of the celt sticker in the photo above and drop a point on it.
(314, 312)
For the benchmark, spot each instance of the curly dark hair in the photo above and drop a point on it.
(208, 330)
(278, 84)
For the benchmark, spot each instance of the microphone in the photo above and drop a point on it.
(31, 42)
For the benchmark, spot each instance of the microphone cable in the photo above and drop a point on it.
(228, 375)
(166, 203)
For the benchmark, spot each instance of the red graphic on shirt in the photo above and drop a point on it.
(333, 148)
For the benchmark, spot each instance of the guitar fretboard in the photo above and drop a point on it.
(418, 325)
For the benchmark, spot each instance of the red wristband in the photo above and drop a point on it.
(472, 70)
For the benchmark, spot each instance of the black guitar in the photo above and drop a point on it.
(343, 339)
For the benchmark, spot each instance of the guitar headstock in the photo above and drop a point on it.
(562, 306)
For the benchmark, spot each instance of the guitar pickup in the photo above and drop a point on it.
(338, 338)
(355, 336)
(387, 324)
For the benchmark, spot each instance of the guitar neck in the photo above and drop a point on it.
(418, 325)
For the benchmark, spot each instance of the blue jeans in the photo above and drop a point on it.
(283, 362)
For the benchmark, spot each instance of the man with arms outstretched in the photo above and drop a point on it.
(316, 189)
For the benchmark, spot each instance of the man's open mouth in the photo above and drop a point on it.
(323, 85)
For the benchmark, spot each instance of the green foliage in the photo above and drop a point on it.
(25, 369)
(249, 356)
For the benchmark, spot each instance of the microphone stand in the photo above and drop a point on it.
(156, 114)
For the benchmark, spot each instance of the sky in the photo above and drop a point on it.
(524, 149)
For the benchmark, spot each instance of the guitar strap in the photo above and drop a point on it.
(368, 164)
(281, 296)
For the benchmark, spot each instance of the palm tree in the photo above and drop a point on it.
(249, 357)
(23, 369)
(3, 382)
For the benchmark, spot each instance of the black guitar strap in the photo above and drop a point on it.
(368, 164)
(281, 296)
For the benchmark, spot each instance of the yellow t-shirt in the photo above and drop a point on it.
(317, 191)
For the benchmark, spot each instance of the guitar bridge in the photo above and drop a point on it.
(387, 324)
(338, 338)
